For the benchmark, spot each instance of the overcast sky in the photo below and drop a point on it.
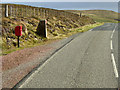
(59, 0)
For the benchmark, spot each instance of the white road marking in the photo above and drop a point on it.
(38, 70)
(113, 32)
(114, 66)
(111, 45)
(112, 55)
(112, 36)
(90, 29)
(33, 74)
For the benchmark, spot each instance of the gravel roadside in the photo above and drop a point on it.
(18, 64)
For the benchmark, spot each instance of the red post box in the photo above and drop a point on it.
(18, 30)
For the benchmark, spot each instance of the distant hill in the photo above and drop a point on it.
(98, 15)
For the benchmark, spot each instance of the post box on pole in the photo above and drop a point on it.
(18, 33)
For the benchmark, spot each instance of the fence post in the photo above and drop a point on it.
(40, 12)
(13, 11)
(16, 10)
(44, 13)
(10, 10)
(26, 11)
(6, 10)
(21, 11)
(80, 14)
(31, 12)
(34, 12)
(37, 11)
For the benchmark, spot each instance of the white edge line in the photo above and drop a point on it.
(90, 29)
(111, 45)
(113, 60)
(112, 56)
(114, 66)
(36, 71)
(113, 32)
(112, 36)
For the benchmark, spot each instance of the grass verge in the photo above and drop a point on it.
(48, 41)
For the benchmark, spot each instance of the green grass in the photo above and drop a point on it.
(99, 15)
(102, 19)
(88, 27)
(84, 28)
(7, 51)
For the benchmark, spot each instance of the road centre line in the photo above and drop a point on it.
(112, 55)
(111, 45)
(114, 66)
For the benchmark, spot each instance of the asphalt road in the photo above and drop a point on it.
(88, 61)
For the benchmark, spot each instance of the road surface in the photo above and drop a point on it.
(88, 61)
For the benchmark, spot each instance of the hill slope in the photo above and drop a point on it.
(98, 15)
(59, 23)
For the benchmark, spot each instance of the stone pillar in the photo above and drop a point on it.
(42, 29)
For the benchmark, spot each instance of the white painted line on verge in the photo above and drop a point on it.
(111, 45)
(38, 70)
(114, 29)
(114, 66)
(113, 32)
(35, 72)
(112, 36)
(112, 55)
(90, 29)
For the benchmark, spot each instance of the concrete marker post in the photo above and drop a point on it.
(6, 10)
(42, 28)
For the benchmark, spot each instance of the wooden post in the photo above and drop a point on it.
(37, 11)
(44, 13)
(40, 12)
(26, 11)
(41, 29)
(16, 11)
(80, 14)
(13, 11)
(34, 12)
(21, 12)
(10, 10)
(6, 10)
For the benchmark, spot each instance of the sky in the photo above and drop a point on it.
(59, 0)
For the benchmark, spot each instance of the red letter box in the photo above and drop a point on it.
(18, 30)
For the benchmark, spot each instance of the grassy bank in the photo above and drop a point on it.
(84, 28)
(48, 41)
(59, 24)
